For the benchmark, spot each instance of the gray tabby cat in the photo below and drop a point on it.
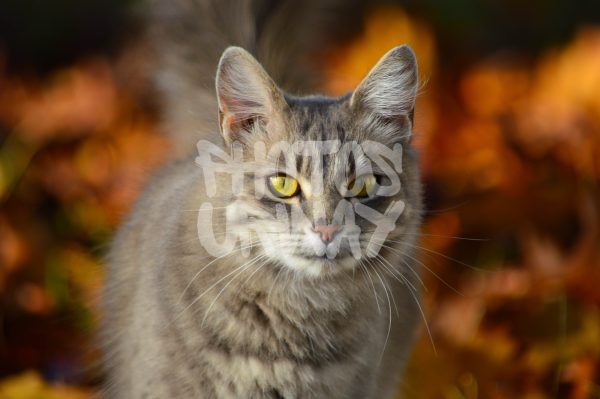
(308, 305)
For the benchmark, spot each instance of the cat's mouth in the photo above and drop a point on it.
(316, 257)
(325, 261)
(316, 265)
(330, 254)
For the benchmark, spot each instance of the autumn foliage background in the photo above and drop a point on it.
(508, 126)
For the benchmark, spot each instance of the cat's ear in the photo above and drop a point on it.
(247, 96)
(390, 88)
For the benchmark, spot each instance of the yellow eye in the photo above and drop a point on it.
(283, 186)
(362, 187)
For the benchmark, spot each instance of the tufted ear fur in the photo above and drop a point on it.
(390, 88)
(247, 96)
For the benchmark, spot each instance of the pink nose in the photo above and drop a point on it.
(327, 231)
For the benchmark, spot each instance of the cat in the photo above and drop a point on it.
(279, 262)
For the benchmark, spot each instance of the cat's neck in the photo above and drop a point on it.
(293, 293)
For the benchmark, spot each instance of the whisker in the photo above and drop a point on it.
(445, 236)
(372, 285)
(418, 303)
(479, 269)
(435, 252)
(274, 281)
(211, 287)
(443, 210)
(207, 209)
(425, 267)
(389, 330)
(405, 263)
(432, 235)
(399, 277)
(204, 268)
(248, 265)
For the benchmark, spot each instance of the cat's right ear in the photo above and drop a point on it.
(246, 94)
(390, 88)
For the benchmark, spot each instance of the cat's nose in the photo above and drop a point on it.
(326, 231)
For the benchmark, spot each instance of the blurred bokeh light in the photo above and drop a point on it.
(509, 135)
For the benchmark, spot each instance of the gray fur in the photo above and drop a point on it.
(180, 323)
(285, 36)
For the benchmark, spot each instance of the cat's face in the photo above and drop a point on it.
(324, 183)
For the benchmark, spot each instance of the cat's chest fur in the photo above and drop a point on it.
(256, 343)
(266, 347)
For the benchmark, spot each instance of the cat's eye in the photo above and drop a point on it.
(283, 186)
(362, 187)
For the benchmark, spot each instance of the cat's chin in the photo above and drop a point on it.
(317, 266)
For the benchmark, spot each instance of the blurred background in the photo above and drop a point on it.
(508, 126)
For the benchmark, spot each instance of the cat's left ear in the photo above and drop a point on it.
(390, 88)
(246, 94)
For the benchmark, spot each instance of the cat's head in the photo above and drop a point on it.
(326, 182)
